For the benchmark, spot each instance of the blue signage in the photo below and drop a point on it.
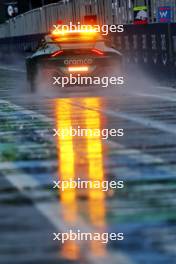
(164, 14)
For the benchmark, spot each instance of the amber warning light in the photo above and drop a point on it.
(67, 32)
(68, 29)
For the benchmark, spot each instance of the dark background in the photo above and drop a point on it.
(23, 6)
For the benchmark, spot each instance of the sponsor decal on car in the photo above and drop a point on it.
(77, 61)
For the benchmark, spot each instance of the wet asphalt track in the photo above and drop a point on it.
(145, 158)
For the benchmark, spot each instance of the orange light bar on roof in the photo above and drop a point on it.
(78, 69)
(57, 32)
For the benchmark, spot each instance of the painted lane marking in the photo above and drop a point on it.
(136, 119)
(6, 68)
(162, 97)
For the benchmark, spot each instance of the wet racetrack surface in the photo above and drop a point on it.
(31, 158)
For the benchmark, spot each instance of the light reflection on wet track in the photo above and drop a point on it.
(81, 158)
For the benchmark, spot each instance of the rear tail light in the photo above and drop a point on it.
(57, 53)
(78, 69)
(98, 52)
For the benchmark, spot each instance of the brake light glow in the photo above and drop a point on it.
(98, 52)
(57, 53)
(78, 69)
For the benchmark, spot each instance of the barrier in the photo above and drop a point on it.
(40, 20)
(36, 21)
(153, 47)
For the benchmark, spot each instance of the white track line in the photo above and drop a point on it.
(29, 164)
(162, 97)
(165, 88)
(136, 119)
(144, 121)
(6, 68)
